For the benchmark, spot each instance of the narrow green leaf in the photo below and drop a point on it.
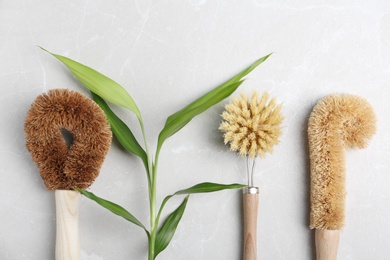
(209, 187)
(114, 208)
(168, 228)
(121, 131)
(200, 188)
(99, 84)
(203, 187)
(179, 119)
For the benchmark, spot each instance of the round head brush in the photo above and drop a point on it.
(68, 136)
(252, 128)
(336, 122)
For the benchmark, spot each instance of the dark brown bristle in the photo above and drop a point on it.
(60, 167)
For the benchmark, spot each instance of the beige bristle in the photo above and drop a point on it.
(336, 122)
(251, 126)
(62, 167)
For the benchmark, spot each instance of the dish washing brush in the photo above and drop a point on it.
(68, 136)
(252, 128)
(336, 122)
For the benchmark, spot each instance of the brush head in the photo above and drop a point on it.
(64, 167)
(252, 126)
(336, 122)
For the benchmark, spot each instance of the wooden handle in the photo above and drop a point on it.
(251, 204)
(327, 243)
(67, 237)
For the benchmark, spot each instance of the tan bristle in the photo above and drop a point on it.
(60, 167)
(336, 122)
(252, 126)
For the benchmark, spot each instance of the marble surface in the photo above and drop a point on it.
(166, 54)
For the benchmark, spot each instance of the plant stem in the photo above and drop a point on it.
(149, 166)
(151, 172)
(153, 224)
(153, 217)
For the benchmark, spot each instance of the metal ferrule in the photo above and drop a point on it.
(250, 190)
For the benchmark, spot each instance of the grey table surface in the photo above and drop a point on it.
(166, 54)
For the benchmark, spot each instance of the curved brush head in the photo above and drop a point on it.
(63, 113)
(336, 122)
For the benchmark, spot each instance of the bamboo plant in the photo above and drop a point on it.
(104, 89)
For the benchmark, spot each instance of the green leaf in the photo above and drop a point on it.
(200, 188)
(209, 187)
(172, 126)
(209, 96)
(179, 119)
(99, 84)
(203, 187)
(168, 228)
(121, 131)
(114, 208)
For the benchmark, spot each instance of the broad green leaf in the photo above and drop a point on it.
(114, 208)
(209, 187)
(99, 84)
(179, 119)
(121, 131)
(168, 228)
(205, 98)
(172, 126)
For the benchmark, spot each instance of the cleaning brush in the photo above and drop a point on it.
(68, 136)
(336, 122)
(252, 128)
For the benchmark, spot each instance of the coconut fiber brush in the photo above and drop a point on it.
(252, 128)
(68, 136)
(336, 122)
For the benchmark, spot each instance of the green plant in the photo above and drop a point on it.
(105, 89)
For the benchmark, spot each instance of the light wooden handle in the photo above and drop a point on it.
(250, 207)
(67, 236)
(327, 243)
